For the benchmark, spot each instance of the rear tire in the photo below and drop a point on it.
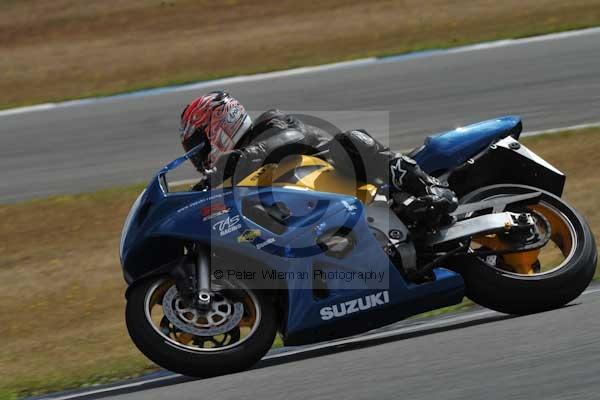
(203, 364)
(513, 293)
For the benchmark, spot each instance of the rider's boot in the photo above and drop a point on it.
(420, 199)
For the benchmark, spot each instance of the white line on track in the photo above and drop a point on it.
(565, 128)
(436, 323)
(524, 134)
(305, 70)
(298, 71)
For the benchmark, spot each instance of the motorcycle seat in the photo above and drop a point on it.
(444, 151)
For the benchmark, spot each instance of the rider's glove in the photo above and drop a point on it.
(442, 198)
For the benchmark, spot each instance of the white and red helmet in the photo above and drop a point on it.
(217, 120)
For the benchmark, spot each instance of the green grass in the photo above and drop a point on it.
(69, 277)
(192, 77)
(72, 49)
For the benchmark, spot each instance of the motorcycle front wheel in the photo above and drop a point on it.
(538, 280)
(231, 334)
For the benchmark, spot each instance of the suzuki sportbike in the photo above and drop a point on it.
(297, 249)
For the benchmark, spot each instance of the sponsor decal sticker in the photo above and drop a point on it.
(355, 305)
(228, 225)
(265, 243)
(214, 210)
(249, 235)
(201, 201)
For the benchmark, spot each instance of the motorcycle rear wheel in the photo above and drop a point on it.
(514, 291)
(199, 355)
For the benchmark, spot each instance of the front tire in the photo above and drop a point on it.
(192, 355)
(513, 293)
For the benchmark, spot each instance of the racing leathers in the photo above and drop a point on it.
(418, 197)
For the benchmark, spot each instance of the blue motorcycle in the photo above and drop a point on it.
(298, 249)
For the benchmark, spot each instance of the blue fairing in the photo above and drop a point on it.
(448, 150)
(177, 216)
(160, 221)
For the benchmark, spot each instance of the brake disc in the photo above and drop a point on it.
(228, 320)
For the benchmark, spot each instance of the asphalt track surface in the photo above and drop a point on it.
(482, 355)
(551, 83)
(478, 354)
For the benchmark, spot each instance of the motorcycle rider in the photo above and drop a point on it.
(234, 146)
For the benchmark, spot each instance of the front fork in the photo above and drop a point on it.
(203, 276)
(192, 277)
